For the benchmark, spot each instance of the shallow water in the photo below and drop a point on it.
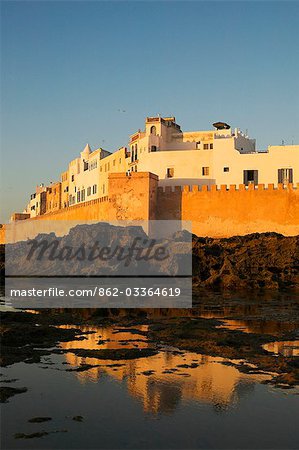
(187, 400)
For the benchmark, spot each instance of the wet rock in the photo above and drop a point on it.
(254, 261)
(39, 434)
(188, 366)
(7, 392)
(78, 418)
(11, 380)
(82, 368)
(148, 372)
(113, 354)
(39, 419)
(103, 341)
(130, 330)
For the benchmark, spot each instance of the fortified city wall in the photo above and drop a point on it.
(218, 211)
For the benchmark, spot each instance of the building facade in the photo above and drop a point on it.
(214, 157)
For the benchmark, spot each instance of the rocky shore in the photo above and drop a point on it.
(254, 261)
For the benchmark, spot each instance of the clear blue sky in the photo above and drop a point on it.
(67, 67)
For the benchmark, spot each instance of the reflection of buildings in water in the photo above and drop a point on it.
(285, 348)
(161, 392)
(272, 327)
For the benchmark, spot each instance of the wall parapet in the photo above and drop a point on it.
(227, 187)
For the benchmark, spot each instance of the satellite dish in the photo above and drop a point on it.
(221, 126)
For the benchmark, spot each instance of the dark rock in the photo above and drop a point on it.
(31, 436)
(78, 418)
(39, 419)
(7, 392)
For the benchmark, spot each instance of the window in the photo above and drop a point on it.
(250, 177)
(205, 146)
(93, 164)
(285, 176)
(170, 172)
(88, 191)
(94, 189)
(73, 177)
(113, 162)
(211, 146)
(225, 169)
(153, 148)
(119, 160)
(83, 195)
(205, 171)
(198, 144)
(103, 189)
(78, 196)
(135, 168)
(85, 165)
(153, 130)
(132, 154)
(136, 153)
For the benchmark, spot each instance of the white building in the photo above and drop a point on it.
(83, 175)
(220, 156)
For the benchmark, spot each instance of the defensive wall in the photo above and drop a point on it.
(215, 211)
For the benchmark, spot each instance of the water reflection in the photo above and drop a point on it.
(272, 327)
(285, 348)
(163, 381)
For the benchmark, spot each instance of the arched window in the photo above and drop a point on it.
(153, 130)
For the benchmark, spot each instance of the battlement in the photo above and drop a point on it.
(227, 187)
(215, 211)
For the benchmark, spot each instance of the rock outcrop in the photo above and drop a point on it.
(254, 261)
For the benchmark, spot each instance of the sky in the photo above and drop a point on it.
(76, 72)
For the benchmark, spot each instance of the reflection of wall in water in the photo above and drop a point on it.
(210, 382)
